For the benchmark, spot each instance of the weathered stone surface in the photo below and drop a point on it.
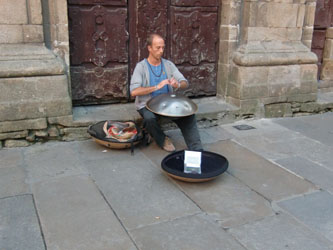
(270, 33)
(33, 34)
(16, 143)
(29, 51)
(12, 182)
(260, 174)
(329, 33)
(75, 216)
(14, 135)
(61, 157)
(289, 75)
(271, 14)
(251, 75)
(308, 72)
(307, 33)
(51, 97)
(183, 233)
(278, 110)
(11, 33)
(41, 133)
(302, 98)
(328, 50)
(310, 107)
(233, 90)
(66, 120)
(300, 15)
(231, 13)
(228, 32)
(19, 224)
(311, 171)
(314, 210)
(35, 11)
(220, 197)
(72, 134)
(11, 157)
(53, 131)
(117, 181)
(288, 234)
(31, 136)
(9, 126)
(13, 12)
(253, 91)
(310, 10)
(327, 70)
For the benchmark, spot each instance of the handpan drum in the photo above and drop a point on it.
(172, 105)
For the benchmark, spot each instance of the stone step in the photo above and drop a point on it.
(211, 111)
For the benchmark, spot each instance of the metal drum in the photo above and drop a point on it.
(172, 105)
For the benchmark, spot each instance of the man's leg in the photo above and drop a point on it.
(151, 125)
(188, 126)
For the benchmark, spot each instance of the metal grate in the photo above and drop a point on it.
(243, 127)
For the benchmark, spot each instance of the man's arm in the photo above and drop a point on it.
(147, 90)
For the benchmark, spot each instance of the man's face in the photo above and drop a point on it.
(157, 48)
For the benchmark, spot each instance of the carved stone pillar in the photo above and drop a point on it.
(272, 69)
(327, 70)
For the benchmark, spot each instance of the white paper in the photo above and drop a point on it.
(192, 162)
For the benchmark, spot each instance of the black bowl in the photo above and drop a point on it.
(212, 165)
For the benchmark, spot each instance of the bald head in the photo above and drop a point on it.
(151, 38)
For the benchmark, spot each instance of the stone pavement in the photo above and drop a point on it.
(276, 194)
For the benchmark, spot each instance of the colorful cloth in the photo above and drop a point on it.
(120, 131)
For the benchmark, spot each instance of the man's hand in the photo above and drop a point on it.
(174, 83)
(163, 83)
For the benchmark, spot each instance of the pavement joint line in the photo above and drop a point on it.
(314, 231)
(249, 222)
(13, 196)
(295, 196)
(115, 214)
(39, 222)
(158, 222)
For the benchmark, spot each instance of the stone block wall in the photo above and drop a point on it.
(34, 86)
(21, 21)
(326, 75)
(269, 62)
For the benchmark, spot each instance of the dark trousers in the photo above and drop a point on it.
(187, 125)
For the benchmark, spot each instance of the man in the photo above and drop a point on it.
(154, 76)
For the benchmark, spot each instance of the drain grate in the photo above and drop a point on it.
(243, 127)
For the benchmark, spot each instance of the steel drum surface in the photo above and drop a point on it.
(172, 105)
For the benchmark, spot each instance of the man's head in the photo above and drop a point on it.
(156, 46)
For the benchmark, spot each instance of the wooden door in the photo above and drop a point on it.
(191, 31)
(108, 38)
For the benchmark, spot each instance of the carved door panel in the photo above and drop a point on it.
(108, 38)
(98, 50)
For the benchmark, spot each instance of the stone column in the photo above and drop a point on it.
(33, 80)
(326, 75)
(272, 69)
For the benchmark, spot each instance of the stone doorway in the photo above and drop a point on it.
(107, 39)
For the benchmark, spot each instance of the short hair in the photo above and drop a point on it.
(151, 38)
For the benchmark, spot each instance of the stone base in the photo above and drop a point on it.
(33, 86)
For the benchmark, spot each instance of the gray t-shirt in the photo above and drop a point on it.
(140, 78)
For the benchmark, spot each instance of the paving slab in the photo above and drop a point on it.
(260, 174)
(13, 182)
(19, 226)
(317, 174)
(314, 210)
(74, 215)
(317, 127)
(192, 232)
(278, 232)
(11, 157)
(52, 160)
(139, 193)
(227, 200)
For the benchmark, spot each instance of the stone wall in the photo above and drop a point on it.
(33, 79)
(326, 75)
(266, 66)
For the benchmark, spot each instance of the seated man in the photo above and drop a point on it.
(154, 76)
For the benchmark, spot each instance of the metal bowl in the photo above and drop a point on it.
(212, 165)
(172, 105)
